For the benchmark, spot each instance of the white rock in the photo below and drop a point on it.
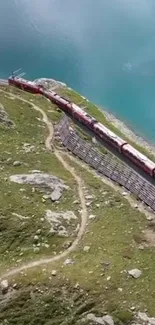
(141, 247)
(54, 272)
(76, 202)
(120, 289)
(125, 193)
(108, 320)
(46, 245)
(97, 320)
(88, 204)
(143, 316)
(92, 217)
(38, 232)
(135, 273)
(108, 278)
(36, 249)
(149, 218)
(4, 286)
(86, 248)
(68, 261)
(89, 197)
(36, 237)
(17, 163)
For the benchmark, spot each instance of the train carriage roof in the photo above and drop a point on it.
(139, 155)
(110, 133)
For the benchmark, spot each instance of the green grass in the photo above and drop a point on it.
(46, 304)
(17, 236)
(114, 236)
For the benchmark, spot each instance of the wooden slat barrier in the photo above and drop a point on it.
(106, 164)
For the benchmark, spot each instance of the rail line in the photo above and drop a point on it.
(106, 164)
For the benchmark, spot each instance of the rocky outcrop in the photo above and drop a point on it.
(4, 118)
(49, 83)
(61, 223)
(42, 180)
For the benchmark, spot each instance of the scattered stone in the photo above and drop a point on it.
(9, 160)
(77, 285)
(67, 244)
(89, 197)
(135, 273)
(141, 247)
(97, 205)
(68, 262)
(92, 217)
(108, 278)
(46, 197)
(27, 147)
(132, 308)
(120, 289)
(88, 204)
(149, 218)
(86, 248)
(4, 286)
(36, 249)
(125, 193)
(38, 232)
(54, 272)
(56, 195)
(46, 245)
(105, 263)
(97, 320)
(108, 320)
(14, 286)
(17, 163)
(36, 238)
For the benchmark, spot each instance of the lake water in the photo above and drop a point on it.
(105, 49)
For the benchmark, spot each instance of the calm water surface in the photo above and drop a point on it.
(105, 49)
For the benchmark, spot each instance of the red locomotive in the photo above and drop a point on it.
(87, 120)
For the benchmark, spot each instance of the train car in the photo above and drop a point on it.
(111, 138)
(81, 116)
(87, 120)
(62, 102)
(24, 85)
(139, 159)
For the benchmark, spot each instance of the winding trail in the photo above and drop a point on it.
(84, 215)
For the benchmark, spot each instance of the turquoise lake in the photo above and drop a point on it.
(105, 49)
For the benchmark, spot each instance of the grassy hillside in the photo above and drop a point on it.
(116, 239)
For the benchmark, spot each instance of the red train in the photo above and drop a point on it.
(96, 127)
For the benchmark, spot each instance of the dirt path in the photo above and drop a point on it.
(80, 184)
